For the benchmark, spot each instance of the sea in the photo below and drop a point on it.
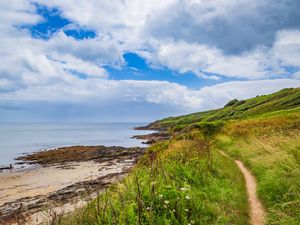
(17, 139)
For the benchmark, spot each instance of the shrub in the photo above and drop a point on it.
(231, 102)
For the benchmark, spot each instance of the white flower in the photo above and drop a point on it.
(187, 197)
(160, 196)
(183, 189)
(166, 202)
(165, 206)
(186, 210)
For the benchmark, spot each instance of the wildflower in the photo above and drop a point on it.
(187, 197)
(160, 196)
(166, 202)
(165, 206)
(148, 208)
(186, 210)
(183, 189)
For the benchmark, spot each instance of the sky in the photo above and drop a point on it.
(141, 60)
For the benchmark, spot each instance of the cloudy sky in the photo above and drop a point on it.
(140, 60)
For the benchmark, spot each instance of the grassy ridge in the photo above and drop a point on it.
(283, 100)
(186, 181)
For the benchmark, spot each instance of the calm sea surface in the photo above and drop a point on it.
(19, 138)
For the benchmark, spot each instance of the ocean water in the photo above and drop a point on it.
(19, 138)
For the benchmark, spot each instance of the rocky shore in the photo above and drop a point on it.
(152, 138)
(63, 177)
(160, 134)
(81, 154)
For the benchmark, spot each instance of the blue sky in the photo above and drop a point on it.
(134, 68)
(141, 60)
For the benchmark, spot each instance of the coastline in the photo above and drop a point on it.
(60, 177)
(18, 139)
(158, 134)
(152, 138)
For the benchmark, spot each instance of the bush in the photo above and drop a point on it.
(210, 128)
(231, 102)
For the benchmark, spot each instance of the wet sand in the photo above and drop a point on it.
(44, 180)
(64, 185)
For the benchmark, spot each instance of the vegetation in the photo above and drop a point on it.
(185, 180)
(176, 182)
(283, 100)
(270, 147)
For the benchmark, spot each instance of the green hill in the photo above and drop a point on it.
(185, 180)
(283, 100)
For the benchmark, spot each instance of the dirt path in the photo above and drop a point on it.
(257, 212)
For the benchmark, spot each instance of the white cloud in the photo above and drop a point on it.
(287, 48)
(27, 62)
(16, 12)
(100, 50)
(154, 26)
(122, 21)
(83, 67)
(207, 62)
(101, 92)
(187, 36)
(233, 26)
(201, 31)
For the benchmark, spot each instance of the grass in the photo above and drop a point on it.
(270, 148)
(185, 180)
(180, 181)
(285, 99)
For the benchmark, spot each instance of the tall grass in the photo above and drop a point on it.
(186, 181)
(177, 182)
(270, 147)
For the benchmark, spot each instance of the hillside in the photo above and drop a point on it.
(283, 100)
(185, 179)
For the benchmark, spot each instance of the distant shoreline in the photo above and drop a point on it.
(18, 139)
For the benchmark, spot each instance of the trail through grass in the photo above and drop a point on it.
(270, 148)
(256, 209)
(186, 181)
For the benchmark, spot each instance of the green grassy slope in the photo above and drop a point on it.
(178, 182)
(285, 99)
(270, 148)
(185, 180)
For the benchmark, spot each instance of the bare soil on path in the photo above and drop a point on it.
(257, 211)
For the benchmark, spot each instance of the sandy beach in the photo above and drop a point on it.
(61, 184)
